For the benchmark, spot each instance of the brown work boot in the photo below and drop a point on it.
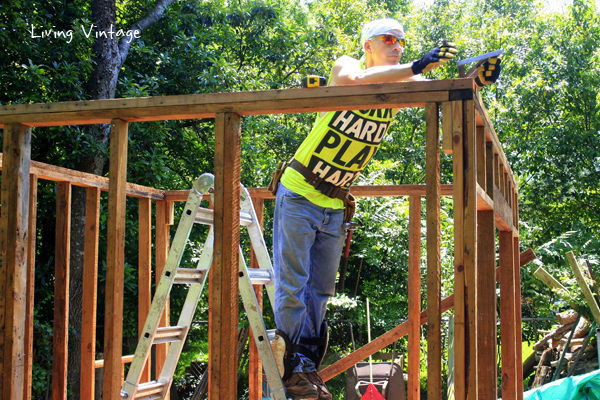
(321, 388)
(298, 387)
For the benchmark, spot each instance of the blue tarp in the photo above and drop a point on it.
(584, 387)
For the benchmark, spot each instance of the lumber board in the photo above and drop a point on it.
(552, 283)
(507, 317)
(398, 95)
(587, 293)
(77, 178)
(481, 157)
(414, 297)
(486, 301)
(89, 296)
(504, 220)
(470, 245)
(14, 237)
(31, 243)
(162, 252)
(489, 169)
(115, 260)
(447, 129)
(144, 272)
(225, 293)
(124, 360)
(61, 291)
(484, 202)
(254, 361)
(434, 334)
(518, 313)
(459, 269)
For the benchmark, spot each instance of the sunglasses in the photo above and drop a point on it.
(391, 39)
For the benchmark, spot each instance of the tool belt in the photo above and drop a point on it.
(326, 188)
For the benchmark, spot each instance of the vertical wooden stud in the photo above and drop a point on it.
(254, 362)
(434, 317)
(518, 312)
(470, 246)
(225, 293)
(447, 127)
(144, 271)
(486, 303)
(90, 289)
(481, 161)
(414, 297)
(489, 169)
(459, 254)
(115, 260)
(14, 237)
(30, 287)
(61, 291)
(497, 172)
(507, 317)
(163, 218)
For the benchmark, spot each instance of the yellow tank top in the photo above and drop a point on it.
(337, 149)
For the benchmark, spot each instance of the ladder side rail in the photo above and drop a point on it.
(187, 313)
(259, 332)
(258, 241)
(162, 293)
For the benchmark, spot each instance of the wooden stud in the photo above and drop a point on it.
(486, 305)
(447, 128)
(489, 169)
(31, 243)
(470, 247)
(518, 313)
(61, 291)
(115, 260)
(144, 272)
(90, 289)
(225, 293)
(14, 238)
(434, 317)
(481, 160)
(162, 251)
(460, 389)
(507, 317)
(414, 297)
(587, 292)
(254, 362)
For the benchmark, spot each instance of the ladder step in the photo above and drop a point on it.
(150, 390)
(169, 334)
(259, 276)
(206, 217)
(189, 276)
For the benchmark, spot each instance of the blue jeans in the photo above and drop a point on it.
(307, 245)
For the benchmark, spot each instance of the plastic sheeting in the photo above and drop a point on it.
(584, 387)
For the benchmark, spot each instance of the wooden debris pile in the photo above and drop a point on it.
(570, 348)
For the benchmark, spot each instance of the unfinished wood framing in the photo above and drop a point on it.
(163, 218)
(144, 271)
(31, 243)
(254, 362)
(484, 192)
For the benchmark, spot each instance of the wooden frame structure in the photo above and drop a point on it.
(485, 200)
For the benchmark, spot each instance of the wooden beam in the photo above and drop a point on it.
(518, 313)
(115, 260)
(254, 362)
(489, 170)
(14, 238)
(144, 272)
(225, 294)
(587, 293)
(89, 297)
(31, 243)
(447, 129)
(470, 246)
(434, 315)
(487, 378)
(460, 390)
(481, 157)
(414, 298)
(61, 291)
(162, 251)
(507, 317)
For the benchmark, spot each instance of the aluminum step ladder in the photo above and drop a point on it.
(196, 278)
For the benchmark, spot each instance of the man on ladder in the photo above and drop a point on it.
(314, 203)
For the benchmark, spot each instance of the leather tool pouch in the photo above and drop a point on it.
(277, 177)
(350, 204)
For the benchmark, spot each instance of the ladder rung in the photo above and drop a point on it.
(168, 334)
(206, 217)
(189, 275)
(150, 390)
(259, 276)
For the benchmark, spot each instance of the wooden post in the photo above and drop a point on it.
(30, 288)
(518, 312)
(481, 157)
(225, 294)
(61, 291)
(414, 297)
(115, 260)
(507, 317)
(434, 317)
(144, 271)
(489, 169)
(90, 288)
(470, 246)
(14, 237)
(254, 362)
(460, 389)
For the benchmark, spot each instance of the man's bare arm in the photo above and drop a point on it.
(347, 71)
